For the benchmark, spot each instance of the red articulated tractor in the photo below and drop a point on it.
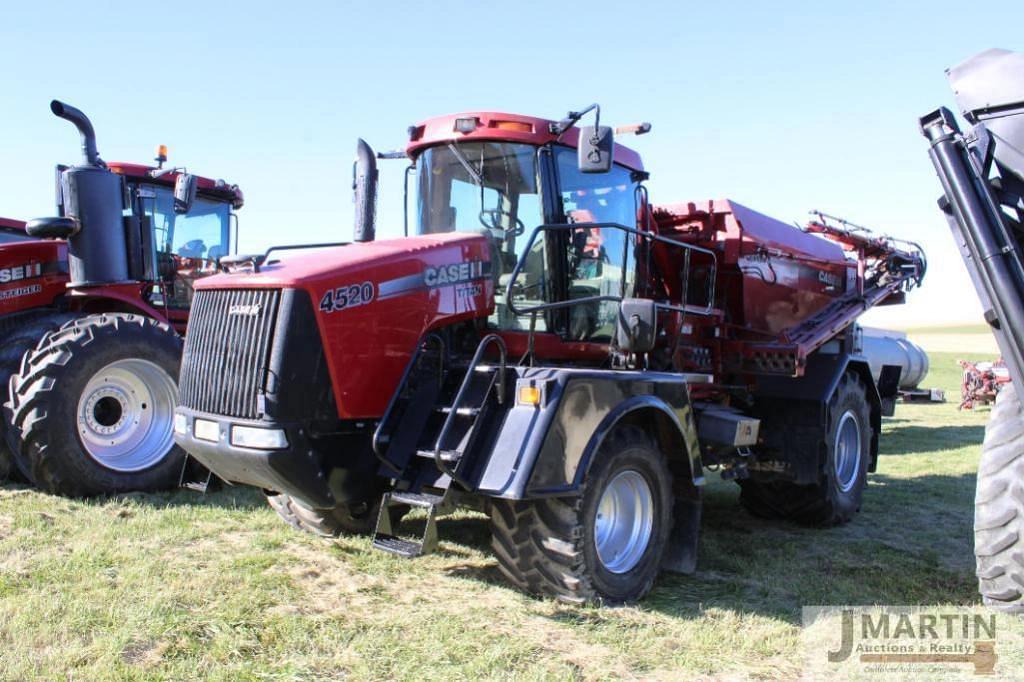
(92, 306)
(550, 347)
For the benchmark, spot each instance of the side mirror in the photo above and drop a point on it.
(185, 187)
(637, 326)
(596, 149)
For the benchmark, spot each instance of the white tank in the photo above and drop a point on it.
(886, 347)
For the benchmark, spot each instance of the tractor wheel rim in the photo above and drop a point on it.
(847, 451)
(625, 521)
(126, 415)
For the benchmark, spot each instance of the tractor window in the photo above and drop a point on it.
(490, 188)
(188, 246)
(600, 260)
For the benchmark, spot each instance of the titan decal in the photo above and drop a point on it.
(345, 297)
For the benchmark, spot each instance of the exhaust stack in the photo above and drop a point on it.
(364, 188)
(93, 197)
(84, 125)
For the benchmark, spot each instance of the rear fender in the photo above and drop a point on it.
(116, 298)
(811, 394)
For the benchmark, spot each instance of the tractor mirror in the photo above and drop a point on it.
(596, 149)
(185, 187)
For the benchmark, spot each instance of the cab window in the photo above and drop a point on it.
(599, 260)
(489, 188)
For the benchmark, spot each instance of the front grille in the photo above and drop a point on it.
(226, 347)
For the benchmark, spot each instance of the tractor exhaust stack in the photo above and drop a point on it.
(84, 125)
(364, 189)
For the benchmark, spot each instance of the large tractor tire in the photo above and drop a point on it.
(999, 507)
(358, 519)
(92, 407)
(836, 497)
(604, 546)
(13, 347)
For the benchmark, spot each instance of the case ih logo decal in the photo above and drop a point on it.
(434, 277)
(456, 273)
(19, 272)
(346, 297)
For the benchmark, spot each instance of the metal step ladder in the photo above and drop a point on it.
(386, 537)
(455, 437)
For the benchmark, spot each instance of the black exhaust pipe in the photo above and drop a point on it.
(84, 125)
(364, 188)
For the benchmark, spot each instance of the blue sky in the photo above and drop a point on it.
(784, 107)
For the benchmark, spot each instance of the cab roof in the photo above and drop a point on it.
(216, 188)
(495, 125)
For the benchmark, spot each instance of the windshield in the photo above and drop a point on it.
(477, 186)
(202, 233)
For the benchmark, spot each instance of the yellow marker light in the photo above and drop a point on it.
(529, 395)
(517, 126)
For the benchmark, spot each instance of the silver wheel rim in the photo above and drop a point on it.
(847, 451)
(126, 415)
(625, 521)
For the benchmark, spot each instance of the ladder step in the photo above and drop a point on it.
(446, 455)
(394, 545)
(461, 412)
(425, 500)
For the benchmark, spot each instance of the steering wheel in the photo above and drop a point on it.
(491, 219)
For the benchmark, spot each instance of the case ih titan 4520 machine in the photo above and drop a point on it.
(551, 348)
(91, 307)
(982, 175)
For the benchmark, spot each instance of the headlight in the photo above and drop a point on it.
(204, 429)
(261, 439)
(180, 424)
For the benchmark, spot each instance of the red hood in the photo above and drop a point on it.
(374, 301)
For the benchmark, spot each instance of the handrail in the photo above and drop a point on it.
(378, 450)
(460, 396)
(259, 260)
(519, 312)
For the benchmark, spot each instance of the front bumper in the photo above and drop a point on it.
(295, 470)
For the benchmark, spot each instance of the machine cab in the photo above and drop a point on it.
(176, 244)
(505, 189)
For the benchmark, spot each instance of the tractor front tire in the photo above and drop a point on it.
(15, 345)
(603, 546)
(836, 498)
(92, 407)
(999, 507)
(358, 519)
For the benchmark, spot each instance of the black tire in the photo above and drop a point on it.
(330, 523)
(44, 403)
(19, 341)
(826, 503)
(999, 507)
(547, 547)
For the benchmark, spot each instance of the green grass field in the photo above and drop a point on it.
(180, 586)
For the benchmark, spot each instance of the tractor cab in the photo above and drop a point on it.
(182, 232)
(503, 175)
